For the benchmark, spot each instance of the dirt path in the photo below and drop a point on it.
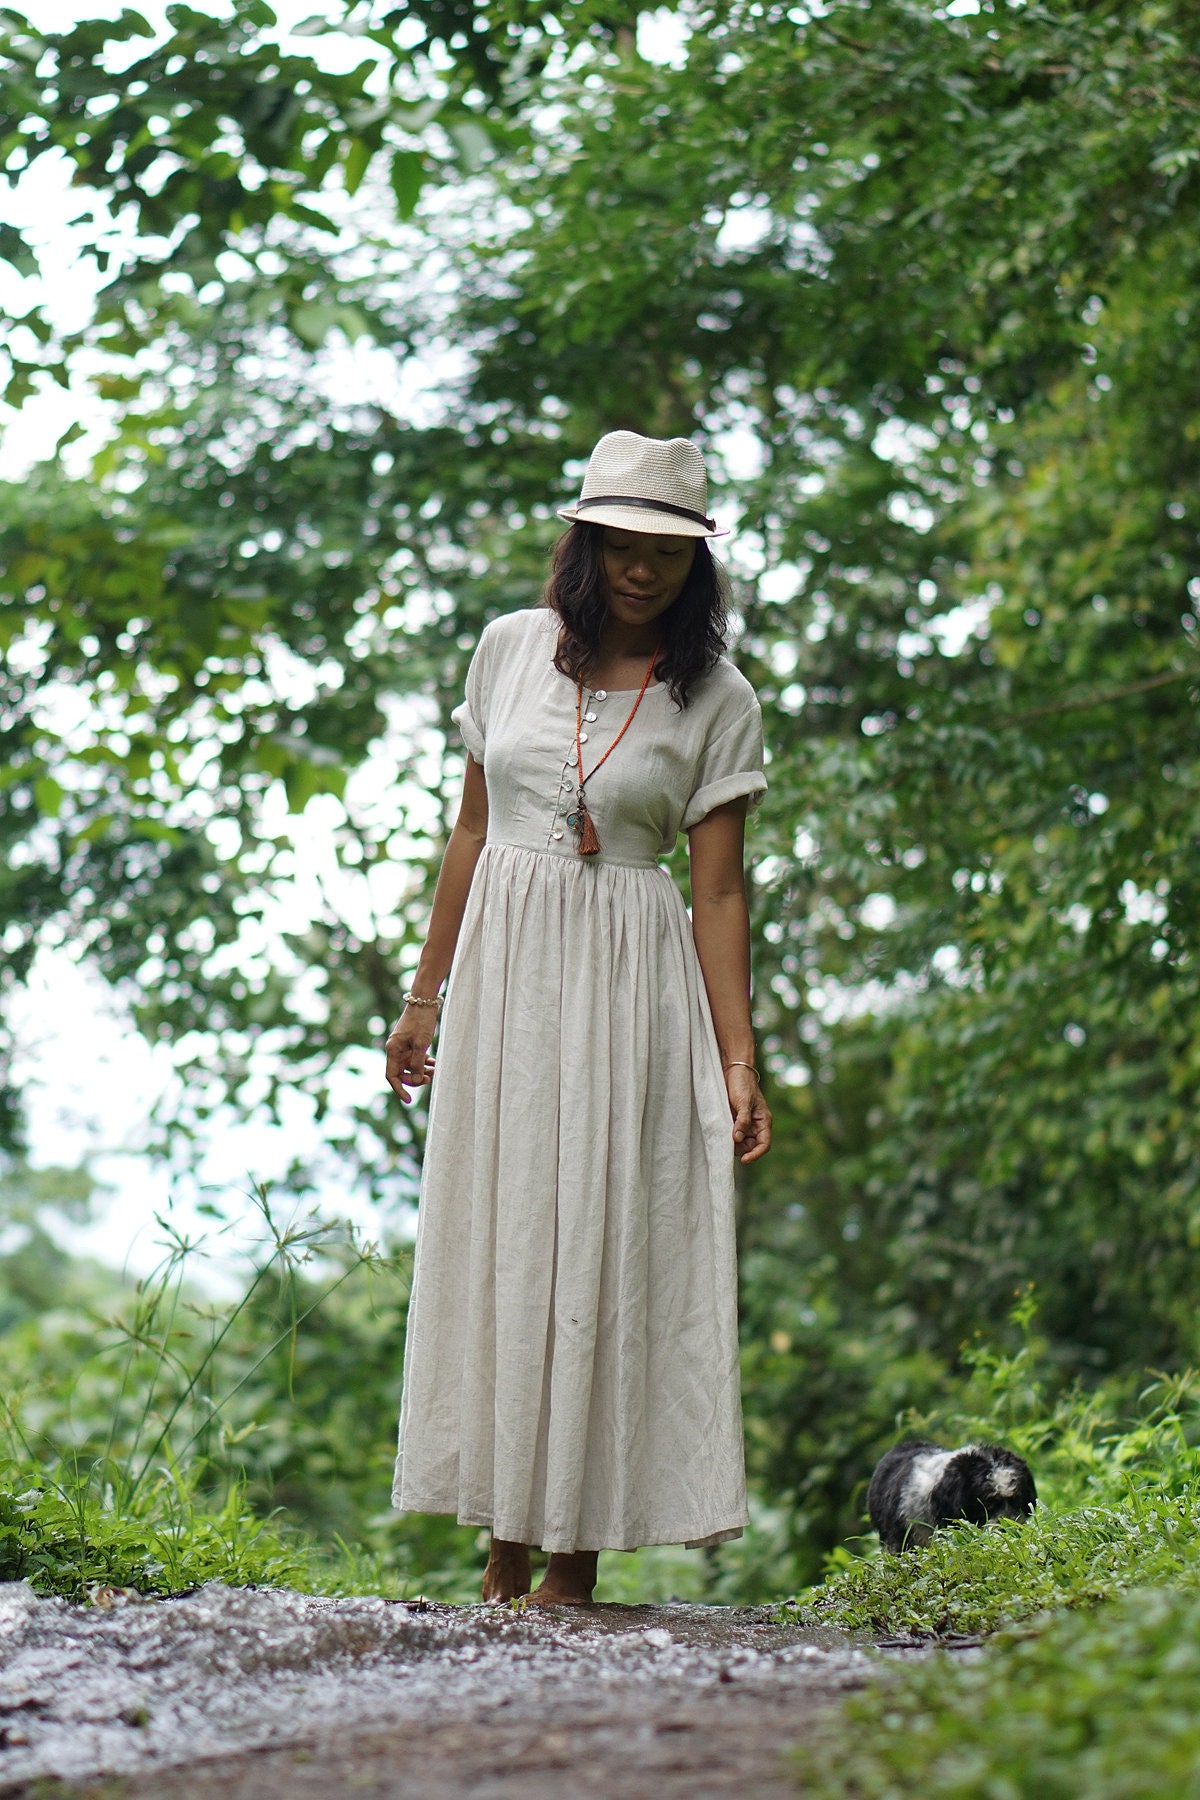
(262, 1695)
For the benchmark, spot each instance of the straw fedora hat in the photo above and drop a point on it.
(645, 484)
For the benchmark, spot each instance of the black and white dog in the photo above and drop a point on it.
(918, 1486)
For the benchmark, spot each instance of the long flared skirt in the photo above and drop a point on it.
(571, 1368)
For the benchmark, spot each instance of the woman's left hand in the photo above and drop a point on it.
(751, 1114)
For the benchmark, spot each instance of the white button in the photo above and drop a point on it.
(591, 717)
(568, 782)
(556, 834)
(600, 694)
(583, 737)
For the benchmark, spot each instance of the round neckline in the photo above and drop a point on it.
(610, 693)
(615, 693)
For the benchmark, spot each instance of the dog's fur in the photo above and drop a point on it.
(918, 1486)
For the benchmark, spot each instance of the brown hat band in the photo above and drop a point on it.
(661, 506)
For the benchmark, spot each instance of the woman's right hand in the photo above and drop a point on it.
(751, 1114)
(409, 1064)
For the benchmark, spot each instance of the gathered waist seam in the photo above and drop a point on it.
(609, 862)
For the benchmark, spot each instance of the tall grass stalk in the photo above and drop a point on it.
(144, 1498)
(290, 1247)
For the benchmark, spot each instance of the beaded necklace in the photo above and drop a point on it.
(580, 821)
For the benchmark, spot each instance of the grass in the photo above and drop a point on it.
(148, 1445)
(1101, 1705)
(738, 1572)
(971, 1582)
(65, 1538)
(1119, 1508)
(119, 1468)
(1088, 1684)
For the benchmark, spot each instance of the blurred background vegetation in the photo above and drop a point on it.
(924, 282)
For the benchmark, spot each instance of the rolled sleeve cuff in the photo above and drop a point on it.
(469, 731)
(751, 782)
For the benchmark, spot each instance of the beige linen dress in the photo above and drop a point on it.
(571, 1368)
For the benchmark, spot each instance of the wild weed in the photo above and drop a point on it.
(1119, 1506)
(1102, 1706)
(123, 1464)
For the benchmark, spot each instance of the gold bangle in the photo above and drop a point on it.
(742, 1065)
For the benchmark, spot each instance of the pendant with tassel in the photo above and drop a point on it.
(580, 821)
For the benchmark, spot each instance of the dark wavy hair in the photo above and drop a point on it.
(693, 629)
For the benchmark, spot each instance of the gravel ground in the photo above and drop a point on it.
(255, 1695)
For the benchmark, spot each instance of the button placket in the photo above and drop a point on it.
(562, 800)
(569, 778)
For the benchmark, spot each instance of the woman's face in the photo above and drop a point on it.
(644, 573)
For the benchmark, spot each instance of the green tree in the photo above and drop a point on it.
(254, 577)
(943, 269)
(37, 1274)
(925, 284)
(212, 143)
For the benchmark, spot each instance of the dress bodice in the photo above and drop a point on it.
(670, 769)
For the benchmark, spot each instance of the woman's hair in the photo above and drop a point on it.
(693, 629)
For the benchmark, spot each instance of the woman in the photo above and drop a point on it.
(571, 1373)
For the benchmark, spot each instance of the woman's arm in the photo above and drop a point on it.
(408, 1061)
(721, 928)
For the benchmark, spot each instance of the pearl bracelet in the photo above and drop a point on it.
(742, 1065)
(411, 999)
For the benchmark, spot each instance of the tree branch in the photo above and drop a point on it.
(841, 37)
(1082, 702)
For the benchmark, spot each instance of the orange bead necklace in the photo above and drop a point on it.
(580, 821)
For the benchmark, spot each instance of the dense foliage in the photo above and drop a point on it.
(1097, 1706)
(1117, 1508)
(1084, 1689)
(924, 283)
(154, 1437)
(61, 1537)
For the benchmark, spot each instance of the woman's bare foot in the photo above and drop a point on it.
(508, 1574)
(569, 1580)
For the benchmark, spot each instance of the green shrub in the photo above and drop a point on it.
(147, 1438)
(273, 1412)
(1087, 1446)
(968, 1581)
(1096, 1696)
(1119, 1505)
(64, 1538)
(1102, 1706)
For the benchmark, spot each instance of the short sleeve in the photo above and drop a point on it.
(471, 715)
(731, 766)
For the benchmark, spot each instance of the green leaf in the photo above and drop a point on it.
(303, 780)
(312, 324)
(357, 162)
(472, 142)
(16, 251)
(49, 796)
(407, 178)
(308, 215)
